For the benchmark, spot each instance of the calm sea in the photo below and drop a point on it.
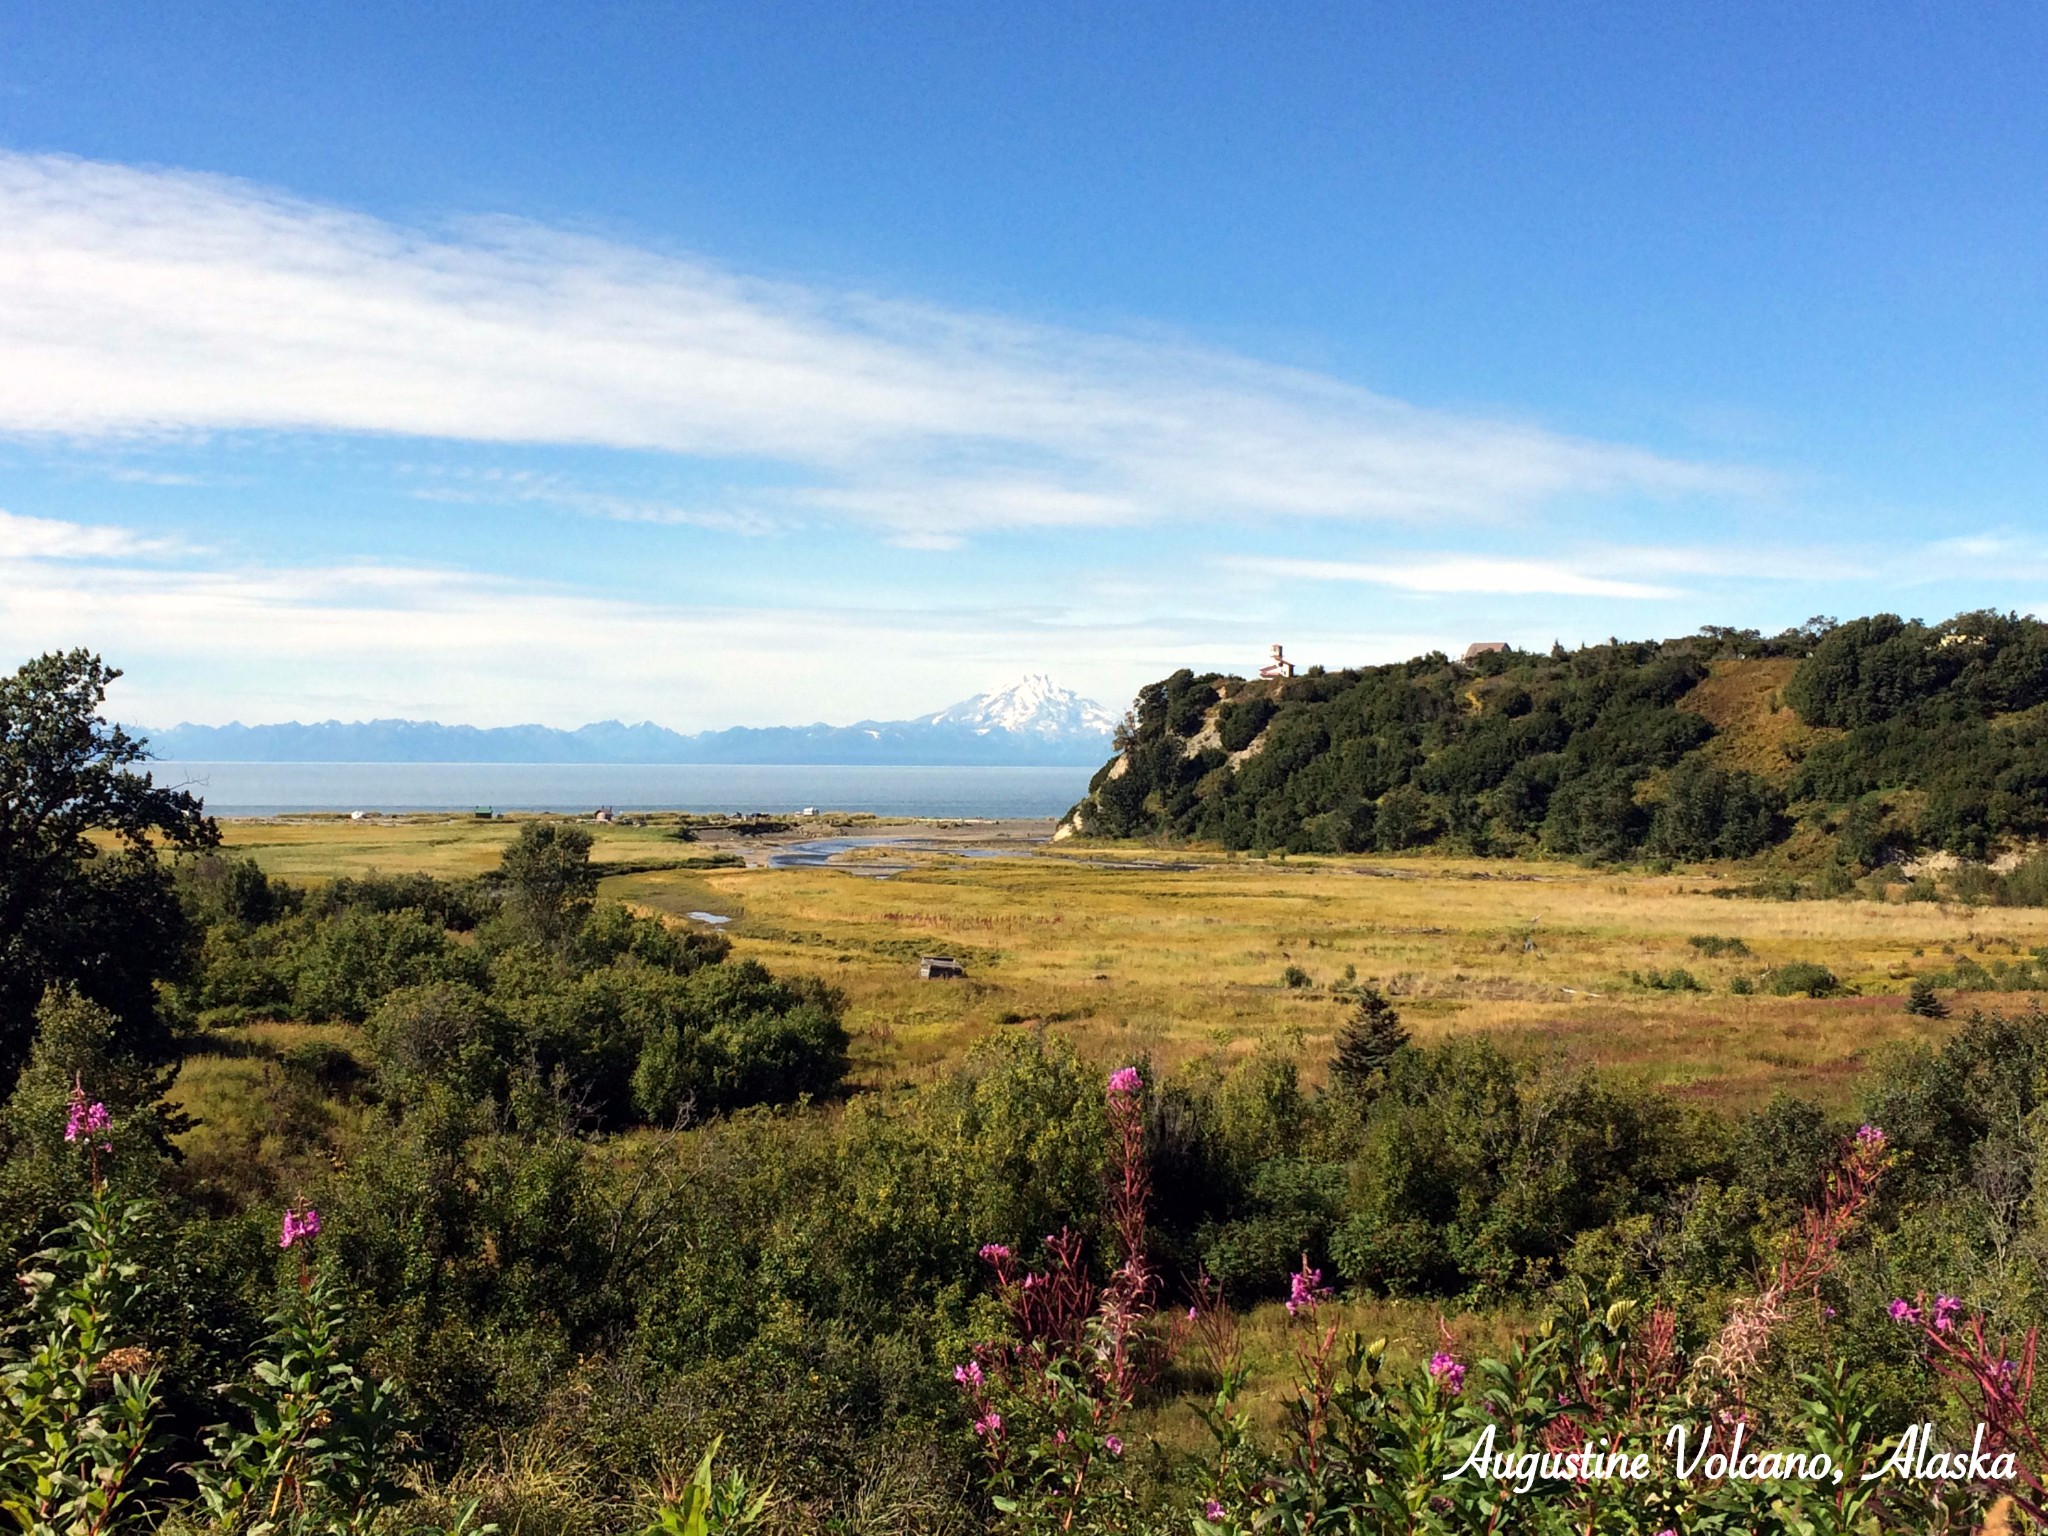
(267, 789)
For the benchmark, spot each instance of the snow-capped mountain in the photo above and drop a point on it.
(1032, 706)
(1030, 722)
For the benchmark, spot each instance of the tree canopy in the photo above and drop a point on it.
(1601, 753)
(83, 900)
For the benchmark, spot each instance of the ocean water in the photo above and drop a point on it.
(268, 789)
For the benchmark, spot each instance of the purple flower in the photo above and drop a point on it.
(1945, 1310)
(994, 1253)
(1115, 1446)
(1447, 1370)
(968, 1375)
(1903, 1311)
(298, 1226)
(1193, 1314)
(1125, 1080)
(1305, 1289)
(990, 1423)
(1213, 1512)
(1870, 1136)
(86, 1119)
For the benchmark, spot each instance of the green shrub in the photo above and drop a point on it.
(1674, 980)
(444, 1035)
(2027, 884)
(353, 959)
(1801, 976)
(1714, 946)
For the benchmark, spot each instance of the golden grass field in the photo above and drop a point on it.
(1133, 959)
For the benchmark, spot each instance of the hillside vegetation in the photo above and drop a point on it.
(1887, 735)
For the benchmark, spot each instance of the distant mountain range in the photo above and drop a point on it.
(1032, 722)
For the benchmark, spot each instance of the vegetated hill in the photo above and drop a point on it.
(1886, 733)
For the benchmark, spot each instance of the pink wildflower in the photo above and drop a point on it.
(994, 1253)
(1945, 1310)
(1115, 1446)
(298, 1226)
(86, 1120)
(968, 1375)
(1870, 1136)
(1305, 1289)
(1213, 1512)
(1447, 1370)
(1903, 1311)
(1125, 1080)
(990, 1423)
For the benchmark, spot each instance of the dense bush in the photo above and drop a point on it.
(798, 1286)
(467, 986)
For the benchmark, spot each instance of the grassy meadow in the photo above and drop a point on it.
(1176, 955)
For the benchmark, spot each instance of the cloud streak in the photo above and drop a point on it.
(48, 538)
(1464, 573)
(146, 302)
(374, 638)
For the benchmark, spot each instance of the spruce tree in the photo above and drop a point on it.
(1922, 1002)
(1367, 1043)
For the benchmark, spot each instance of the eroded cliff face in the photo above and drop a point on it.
(1209, 738)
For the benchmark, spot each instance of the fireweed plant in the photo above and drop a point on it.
(78, 1394)
(1046, 1403)
(79, 1426)
(319, 1447)
(1599, 1421)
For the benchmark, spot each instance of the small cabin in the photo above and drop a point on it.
(939, 968)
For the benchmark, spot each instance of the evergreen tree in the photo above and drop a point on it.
(1367, 1043)
(1922, 1002)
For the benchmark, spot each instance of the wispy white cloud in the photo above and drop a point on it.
(127, 475)
(48, 538)
(143, 301)
(375, 639)
(525, 486)
(1463, 573)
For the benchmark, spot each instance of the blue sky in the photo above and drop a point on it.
(744, 364)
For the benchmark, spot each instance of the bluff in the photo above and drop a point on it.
(1886, 734)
